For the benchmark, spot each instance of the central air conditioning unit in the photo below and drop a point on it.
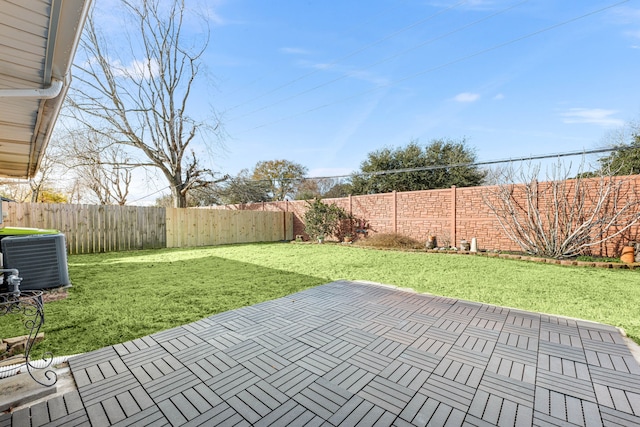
(40, 259)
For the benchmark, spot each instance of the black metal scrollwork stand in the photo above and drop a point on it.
(28, 304)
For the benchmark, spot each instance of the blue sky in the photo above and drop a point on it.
(323, 83)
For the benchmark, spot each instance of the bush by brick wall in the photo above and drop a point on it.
(450, 214)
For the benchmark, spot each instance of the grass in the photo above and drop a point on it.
(121, 296)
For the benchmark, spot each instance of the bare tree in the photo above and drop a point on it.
(105, 168)
(562, 217)
(146, 104)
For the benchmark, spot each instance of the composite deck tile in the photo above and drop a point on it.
(291, 379)
(431, 345)
(565, 367)
(481, 321)
(341, 349)
(232, 381)
(512, 369)
(420, 359)
(443, 335)
(617, 379)
(481, 333)
(359, 337)
(290, 414)
(318, 362)
(613, 417)
(316, 338)
(582, 389)
(474, 343)
(371, 361)
(361, 413)
(244, 350)
(272, 339)
(97, 415)
(386, 347)
(75, 419)
(563, 351)
(526, 356)
(626, 364)
(564, 339)
(107, 388)
(387, 394)
(517, 391)
(352, 322)
(421, 318)
(134, 345)
(93, 358)
(226, 340)
(521, 330)
(211, 332)
(171, 384)
(335, 329)
(459, 372)
(265, 364)
(193, 354)
(293, 350)
(405, 375)
(322, 398)
(424, 411)
(183, 342)
(468, 356)
(145, 356)
(496, 410)
(412, 327)
(610, 348)
(295, 330)
(612, 337)
(448, 391)
(519, 341)
(212, 365)
(349, 377)
(375, 328)
(169, 334)
(238, 323)
(172, 413)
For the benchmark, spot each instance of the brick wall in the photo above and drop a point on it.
(451, 215)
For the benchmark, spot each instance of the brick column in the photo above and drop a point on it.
(395, 211)
(453, 216)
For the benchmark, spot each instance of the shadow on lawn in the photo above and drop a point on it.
(121, 301)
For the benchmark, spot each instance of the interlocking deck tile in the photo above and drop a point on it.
(291, 379)
(318, 362)
(341, 349)
(220, 415)
(290, 414)
(387, 394)
(171, 384)
(580, 388)
(459, 372)
(232, 381)
(517, 391)
(149, 417)
(349, 377)
(496, 410)
(359, 412)
(226, 340)
(424, 411)
(322, 398)
(349, 354)
(405, 375)
(212, 365)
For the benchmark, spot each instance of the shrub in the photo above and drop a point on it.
(322, 220)
(391, 240)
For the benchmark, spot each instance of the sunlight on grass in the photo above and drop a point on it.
(121, 296)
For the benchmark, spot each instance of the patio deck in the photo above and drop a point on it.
(351, 353)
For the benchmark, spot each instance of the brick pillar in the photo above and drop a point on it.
(350, 205)
(395, 211)
(453, 216)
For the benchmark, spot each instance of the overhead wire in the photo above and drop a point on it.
(438, 67)
(382, 61)
(349, 55)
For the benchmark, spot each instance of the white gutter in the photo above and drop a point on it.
(45, 93)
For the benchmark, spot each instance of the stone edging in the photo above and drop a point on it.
(613, 265)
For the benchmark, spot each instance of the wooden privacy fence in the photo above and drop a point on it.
(96, 228)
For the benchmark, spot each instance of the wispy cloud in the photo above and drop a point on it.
(635, 34)
(467, 97)
(347, 72)
(498, 97)
(138, 69)
(595, 116)
(469, 4)
(294, 51)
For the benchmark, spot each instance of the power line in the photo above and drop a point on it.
(439, 67)
(349, 55)
(382, 61)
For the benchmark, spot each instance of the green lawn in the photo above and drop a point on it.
(120, 296)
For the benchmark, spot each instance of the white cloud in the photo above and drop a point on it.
(467, 97)
(137, 69)
(596, 116)
(499, 97)
(294, 51)
(635, 34)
